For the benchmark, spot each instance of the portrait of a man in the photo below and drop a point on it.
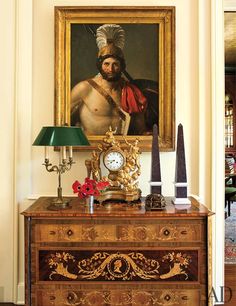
(110, 96)
(115, 68)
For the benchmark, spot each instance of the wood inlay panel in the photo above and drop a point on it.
(123, 265)
(122, 232)
(108, 297)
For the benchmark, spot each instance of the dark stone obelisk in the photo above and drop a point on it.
(180, 170)
(155, 164)
(155, 200)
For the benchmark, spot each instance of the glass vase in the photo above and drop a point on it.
(89, 201)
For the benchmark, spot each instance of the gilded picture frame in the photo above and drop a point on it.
(148, 28)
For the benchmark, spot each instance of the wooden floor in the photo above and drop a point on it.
(230, 281)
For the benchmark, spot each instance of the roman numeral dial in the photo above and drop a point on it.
(114, 160)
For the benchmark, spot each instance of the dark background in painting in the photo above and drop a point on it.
(140, 51)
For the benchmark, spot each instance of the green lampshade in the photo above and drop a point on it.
(61, 136)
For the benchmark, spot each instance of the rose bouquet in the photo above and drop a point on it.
(89, 187)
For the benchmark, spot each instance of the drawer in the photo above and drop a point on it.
(137, 232)
(118, 297)
(79, 265)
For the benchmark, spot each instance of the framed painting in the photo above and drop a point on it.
(115, 68)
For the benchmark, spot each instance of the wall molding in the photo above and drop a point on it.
(20, 294)
(217, 152)
(23, 106)
(8, 279)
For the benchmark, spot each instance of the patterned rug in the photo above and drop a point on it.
(230, 236)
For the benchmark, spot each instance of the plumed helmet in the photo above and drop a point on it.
(110, 40)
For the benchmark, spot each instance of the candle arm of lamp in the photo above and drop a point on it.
(61, 168)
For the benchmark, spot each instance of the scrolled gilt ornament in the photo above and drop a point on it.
(123, 165)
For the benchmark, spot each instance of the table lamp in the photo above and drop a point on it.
(60, 136)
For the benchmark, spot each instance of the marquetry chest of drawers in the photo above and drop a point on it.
(116, 255)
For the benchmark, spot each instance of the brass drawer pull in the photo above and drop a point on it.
(166, 232)
(69, 232)
(52, 233)
(72, 297)
(52, 297)
(167, 297)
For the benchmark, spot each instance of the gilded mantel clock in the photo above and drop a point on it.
(123, 167)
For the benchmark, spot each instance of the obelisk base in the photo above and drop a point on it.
(181, 194)
(181, 201)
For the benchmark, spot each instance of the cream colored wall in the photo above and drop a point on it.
(28, 99)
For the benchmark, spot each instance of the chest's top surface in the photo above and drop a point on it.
(77, 209)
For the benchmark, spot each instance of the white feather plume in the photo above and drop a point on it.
(110, 33)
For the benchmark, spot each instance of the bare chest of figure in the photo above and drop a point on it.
(98, 104)
(97, 114)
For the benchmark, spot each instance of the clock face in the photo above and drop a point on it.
(114, 160)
